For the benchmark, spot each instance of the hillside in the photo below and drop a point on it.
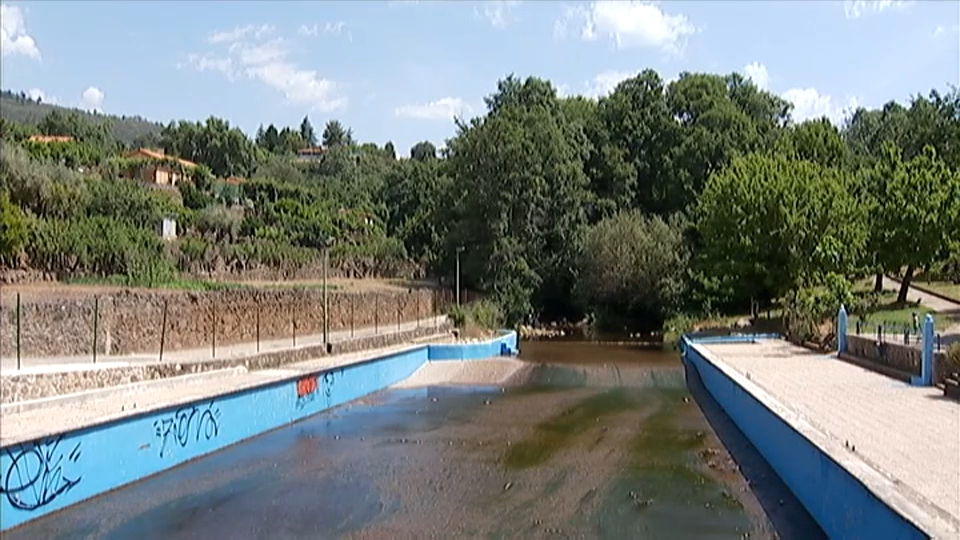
(126, 129)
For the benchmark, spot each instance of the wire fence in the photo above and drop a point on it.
(168, 325)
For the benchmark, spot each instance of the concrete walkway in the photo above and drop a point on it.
(8, 365)
(900, 441)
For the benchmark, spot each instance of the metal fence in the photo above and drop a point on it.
(892, 332)
(74, 331)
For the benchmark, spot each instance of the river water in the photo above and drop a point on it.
(596, 441)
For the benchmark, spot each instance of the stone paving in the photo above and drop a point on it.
(910, 434)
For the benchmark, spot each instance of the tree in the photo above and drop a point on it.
(916, 211)
(519, 191)
(306, 132)
(769, 225)
(632, 267)
(422, 151)
(815, 140)
(13, 230)
(224, 149)
(389, 151)
(334, 134)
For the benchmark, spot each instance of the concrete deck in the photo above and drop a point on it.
(901, 442)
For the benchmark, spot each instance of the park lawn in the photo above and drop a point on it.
(889, 311)
(950, 290)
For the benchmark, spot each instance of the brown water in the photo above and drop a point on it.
(595, 442)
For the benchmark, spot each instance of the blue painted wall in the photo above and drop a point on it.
(43, 476)
(842, 505)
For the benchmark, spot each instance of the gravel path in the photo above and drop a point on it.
(910, 434)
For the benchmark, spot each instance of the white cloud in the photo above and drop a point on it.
(808, 103)
(13, 33)
(248, 55)
(757, 73)
(92, 98)
(240, 32)
(338, 28)
(603, 83)
(36, 93)
(854, 9)
(498, 12)
(442, 109)
(629, 24)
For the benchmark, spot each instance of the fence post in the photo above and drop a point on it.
(258, 321)
(18, 331)
(163, 329)
(926, 355)
(376, 313)
(352, 302)
(96, 316)
(293, 319)
(398, 313)
(418, 309)
(842, 330)
(213, 342)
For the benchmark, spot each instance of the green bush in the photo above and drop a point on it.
(483, 314)
(953, 357)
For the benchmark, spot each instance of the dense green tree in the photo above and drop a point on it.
(224, 149)
(916, 211)
(422, 151)
(633, 268)
(769, 225)
(307, 135)
(334, 134)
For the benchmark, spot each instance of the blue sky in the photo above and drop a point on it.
(399, 70)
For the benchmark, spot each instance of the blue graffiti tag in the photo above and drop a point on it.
(35, 476)
(185, 421)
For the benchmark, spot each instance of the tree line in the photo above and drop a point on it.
(701, 195)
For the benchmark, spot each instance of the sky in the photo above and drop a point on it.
(401, 70)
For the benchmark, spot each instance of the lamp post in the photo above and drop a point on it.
(459, 249)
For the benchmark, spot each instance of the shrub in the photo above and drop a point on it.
(953, 357)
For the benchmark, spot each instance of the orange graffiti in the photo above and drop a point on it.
(306, 386)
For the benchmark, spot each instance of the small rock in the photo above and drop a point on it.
(508, 486)
(486, 402)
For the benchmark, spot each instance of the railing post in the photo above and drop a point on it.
(926, 355)
(842, 330)
(213, 341)
(18, 331)
(163, 329)
(96, 316)
(376, 313)
(258, 320)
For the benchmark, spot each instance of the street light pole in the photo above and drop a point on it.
(459, 249)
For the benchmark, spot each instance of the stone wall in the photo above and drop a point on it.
(902, 358)
(130, 322)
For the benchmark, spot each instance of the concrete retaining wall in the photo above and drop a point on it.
(837, 500)
(903, 358)
(42, 476)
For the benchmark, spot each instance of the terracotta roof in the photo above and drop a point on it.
(157, 154)
(50, 138)
(233, 180)
(310, 150)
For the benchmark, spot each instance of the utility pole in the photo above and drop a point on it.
(459, 249)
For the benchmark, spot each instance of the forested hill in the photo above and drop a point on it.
(19, 108)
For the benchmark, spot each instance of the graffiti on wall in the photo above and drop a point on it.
(38, 473)
(186, 424)
(306, 390)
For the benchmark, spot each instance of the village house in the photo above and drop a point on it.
(311, 153)
(159, 168)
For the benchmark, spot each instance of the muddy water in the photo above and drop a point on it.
(593, 442)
